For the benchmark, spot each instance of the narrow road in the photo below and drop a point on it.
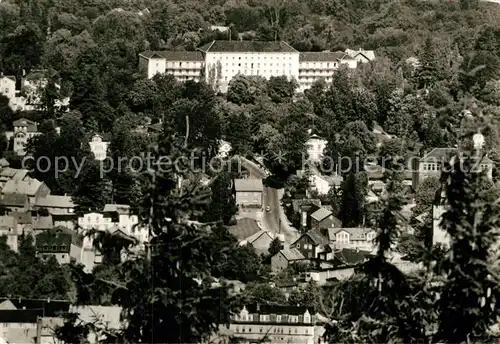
(274, 220)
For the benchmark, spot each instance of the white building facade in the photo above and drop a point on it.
(99, 147)
(219, 61)
(321, 65)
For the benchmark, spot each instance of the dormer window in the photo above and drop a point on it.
(264, 317)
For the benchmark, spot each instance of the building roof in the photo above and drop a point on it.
(270, 309)
(29, 187)
(174, 55)
(248, 185)
(317, 238)
(326, 56)
(330, 222)
(356, 233)
(42, 222)
(4, 163)
(440, 154)
(11, 77)
(247, 47)
(23, 122)
(53, 242)
(292, 254)
(21, 175)
(244, 228)
(14, 200)
(257, 235)
(54, 201)
(22, 217)
(321, 214)
(11, 172)
(7, 305)
(122, 209)
(297, 204)
(369, 54)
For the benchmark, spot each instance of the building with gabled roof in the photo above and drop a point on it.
(61, 243)
(249, 192)
(285, 258)
(260, 241)
(279, 324)
(361, 55)
(430, 164)
(310, 243)
(357, 237)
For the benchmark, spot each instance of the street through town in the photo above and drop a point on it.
(275, 220)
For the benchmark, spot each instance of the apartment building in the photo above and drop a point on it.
(219, 61)
(226, 59)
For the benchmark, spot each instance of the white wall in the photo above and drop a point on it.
(253, 63)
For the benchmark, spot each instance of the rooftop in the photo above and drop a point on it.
(257, 235)
(54, 201)
(244, 228)
(248, 185)
(321, 214)
(174, 55)
(22, 187)
(297, 204)
(292, 254)
(122, 209)
(23, 122)
(356, 233)
(268, 309)
(14, 200)
(247, 47)
(369, 54)
(322, 56)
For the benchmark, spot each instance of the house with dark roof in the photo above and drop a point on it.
(260, 241)
(14, 202)
(304, 208)
(323, 218)
(61, 243)
(249, 192)
(310, 243)
(285, 258)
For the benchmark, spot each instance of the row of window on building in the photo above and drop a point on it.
(273, 330)
(267, 317)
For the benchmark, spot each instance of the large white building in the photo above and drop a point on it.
(219, 61)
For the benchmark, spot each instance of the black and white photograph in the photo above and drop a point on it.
(249, 171)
